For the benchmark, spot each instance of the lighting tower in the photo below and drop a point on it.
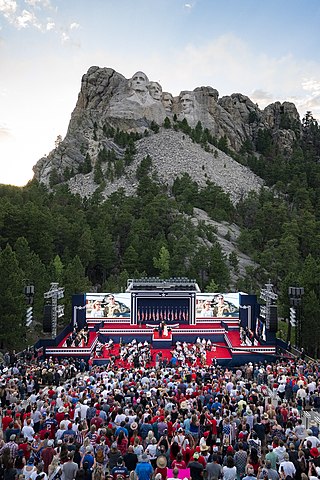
(57, 311)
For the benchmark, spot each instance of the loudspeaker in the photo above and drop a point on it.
(273, 318)
(47, 325)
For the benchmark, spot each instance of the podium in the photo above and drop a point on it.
(161, 341)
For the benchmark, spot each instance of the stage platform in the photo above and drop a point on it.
(224, 335)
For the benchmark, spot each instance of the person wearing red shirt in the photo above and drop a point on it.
(51, 392)
(178, 462)
(6, 420)
(60, 415)
(213, 426)
(97, 420)
(47, 455)
(284, 412)
(26, 448)
(169, 427)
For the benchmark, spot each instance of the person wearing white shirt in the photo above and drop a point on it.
(280, 451)
(301, 393)
(83, 410)
(287, 467)
(311, 438)
(312, 386)
(27, 431)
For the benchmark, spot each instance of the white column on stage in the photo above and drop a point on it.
(75, 310)
(249, 315)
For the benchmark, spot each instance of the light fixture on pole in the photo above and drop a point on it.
(295, 297)
(29, 295)
(55, 293)
(267, 294)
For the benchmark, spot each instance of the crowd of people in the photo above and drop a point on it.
(193, 353)
(65, 419)
(78, 338)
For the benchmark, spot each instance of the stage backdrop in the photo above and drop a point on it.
(208, 305)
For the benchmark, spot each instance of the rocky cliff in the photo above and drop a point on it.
(107, 100)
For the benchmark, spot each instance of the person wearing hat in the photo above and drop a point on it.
(12, 446)
(204, 450)
(207, 310)
(47, 455)
(144, 469)
(113, 455)
(29, 469)
(161, 466)
(315, 456)
(196, 468)
(134, 433)
(88, 462)
(60, 414)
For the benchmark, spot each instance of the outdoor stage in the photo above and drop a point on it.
(223, 334)
(138, 314)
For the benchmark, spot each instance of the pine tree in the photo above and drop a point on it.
(12, 301)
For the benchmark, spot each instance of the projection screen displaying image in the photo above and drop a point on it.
(217, 305)
(108, 305)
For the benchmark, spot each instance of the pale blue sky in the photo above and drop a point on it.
(266, 49)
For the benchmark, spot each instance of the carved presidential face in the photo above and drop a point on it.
(139, 82)
(155, 90)
(186, 101)
(167, 101)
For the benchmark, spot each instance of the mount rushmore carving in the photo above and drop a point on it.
(108, 98)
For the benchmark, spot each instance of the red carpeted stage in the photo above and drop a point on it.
(224, 335)
(162, 313)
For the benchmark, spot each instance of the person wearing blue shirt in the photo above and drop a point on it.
(216, 405)
(144, 469)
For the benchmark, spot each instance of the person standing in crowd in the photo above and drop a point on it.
(196, 468)
(144, 469)
(69, 469)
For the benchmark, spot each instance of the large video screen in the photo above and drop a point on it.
(217, 305)
(108, 305)
(118, 305)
